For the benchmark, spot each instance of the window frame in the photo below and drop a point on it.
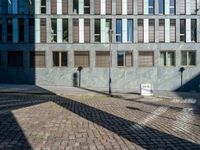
(187, 58)
(167, 58)
(60, 59)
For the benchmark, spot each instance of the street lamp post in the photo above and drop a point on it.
(110, 61)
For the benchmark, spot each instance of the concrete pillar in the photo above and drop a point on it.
(156, 7)
(92, 30)
(177, 7)
(59, 7)
(59, 30)
(70, 30)
(48, 32)
(124, 30)
(177, 30)
(114, 30)
(81, 7)
(81, 30)
(92, 54)
(103, 7)
(103, 32)
(71, 60)
(167, 30)
(124, 7)
(135, 7)
(70, 7)
(188, 30)
(37, 30)
(188, 7)
(113, 7)
(167, 9)
(37, 7)
(91, 7)
(48, 6)
(156, 31)
(146, 31)
(146, 7)
(135, 36)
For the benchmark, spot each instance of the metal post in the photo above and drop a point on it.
(110, 62)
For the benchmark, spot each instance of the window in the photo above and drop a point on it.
(43, 6)
(9, 30)
(87, 30)
(140, 31)
(146, 59)
(1, 7)
(193, 30)
(193, 5)
(97, 4)
(22, 6)
(86, 6)
(102, 59)
(108, 7)
(188, 58)
(21, 29)
(37, 59)
(118, 7)
(129, 7)
(172, 30)
(15, 59)
(107, 30)
(151, 7)
(81, 58)
(53, 30)
(130, 30)
(161, 6)
(161, 30)
(97, 31)
(75, 6)
(43, 30)
(76, 30)
(124, 58)
(119, 30)
(31, 6)
(64, 7)
(172, 7)
(182, 30)
(167, 58)
(31, 30)
(53, 6)
(0, 30)
(182, 7)
(140, 7)
(65, 30)
(60, 59)
(151, 30)
(0, 58)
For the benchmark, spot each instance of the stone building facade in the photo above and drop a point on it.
(44, 41)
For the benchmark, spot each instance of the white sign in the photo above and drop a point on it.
(146, 89)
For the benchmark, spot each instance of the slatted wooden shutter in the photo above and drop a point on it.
(140, 7)
(151, 30)
(102, 58)
(128, 59)
(129, 7)
(53, 6)
(140, 31)
(161, 30)
(81, 58)
(193, 4)
(108, 7)
(118, 7)
(182, 6)
(173, 30)
(97, 4)
(76, 30)
(87, 30)
(43, 30)
(37, 59)
(64, 7)
(146, 59)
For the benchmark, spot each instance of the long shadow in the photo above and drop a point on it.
(141, 135)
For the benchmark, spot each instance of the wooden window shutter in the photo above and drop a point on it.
(97, 7)
(151, 30)
(53, 6)
(128, 59)
(162, 30)
(129, 7)
(118, 7)
(146, 59)
(140, 31)
(43, 30)
(75, 31)
(102, 59)
(108, 7)
(87, 30)
(64, 7)
(81, 58)
(173, 30)
(140, 7)
(37, 59)
(182, 6)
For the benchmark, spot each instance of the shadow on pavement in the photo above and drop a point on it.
(143, 136)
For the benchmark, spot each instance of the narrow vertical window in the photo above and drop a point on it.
(31, 6)
(43, 30)
(76, 30)
(0, 30)
(21, 29)
(86, 6)
(161, 6)
(119, 30)
(43, 6)
(65, 30)
(182, 7)
(75, 6)
(182, 30)
(173, 30)
(64, 7)
(161, 30)
(118, 7)
(21, 6)
(151, 30)
(140, 7)
(97, 7)
(124, 58)
(53, 6)
(60, 59)
(193, 30)
(87, 30)
(107, 29)
(140, 31)
(151, 7)
(172, 7)
(1, 7)
(53, 30)
(108, 7)
(97, 30)
(31, 30)
(130, 30)
(9, 30)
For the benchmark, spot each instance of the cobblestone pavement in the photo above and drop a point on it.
(45, 122)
